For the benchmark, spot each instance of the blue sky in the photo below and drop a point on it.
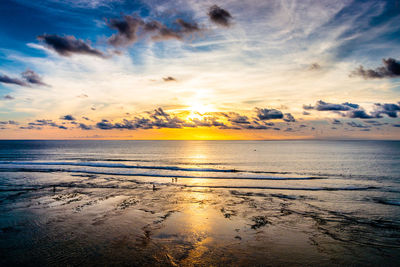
(218, 70)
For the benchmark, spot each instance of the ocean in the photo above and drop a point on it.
(197, 203)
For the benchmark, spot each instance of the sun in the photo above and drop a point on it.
(200, 108)
(197, 110)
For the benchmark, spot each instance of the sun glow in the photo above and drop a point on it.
(198, 109)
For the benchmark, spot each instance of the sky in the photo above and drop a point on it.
(199, 70)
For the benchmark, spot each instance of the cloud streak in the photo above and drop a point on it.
(69, 45)
(28, 77)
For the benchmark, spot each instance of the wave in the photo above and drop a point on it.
(120, 165)
(124, 166)
(22, 169)
(387, 201)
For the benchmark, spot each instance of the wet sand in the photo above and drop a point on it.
(174, 225)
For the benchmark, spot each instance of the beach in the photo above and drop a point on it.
(132, 210)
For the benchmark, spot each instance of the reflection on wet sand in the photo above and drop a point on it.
(182, 226)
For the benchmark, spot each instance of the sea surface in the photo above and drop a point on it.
(194, 203)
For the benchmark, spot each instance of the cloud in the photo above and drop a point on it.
(188, 27)
(314, 66)
(354, 111)
(8, 97)
(69, 45)
(289, 117)
(33, 78)
(104, 125)
(68, 118)
(17, 81)
(390, 69)
(337, 122)
(324, 106)
(43, 122)
(132, 28)
(238, 119)
(159, 118)
(169, 79)
(375, 123)
(84, 126)
(357, 125)
(27, 77)
(390, 110)
(9, 122)
(256, 127)
(127, 28)
(359, 113)
(220, 16)
(269, 114)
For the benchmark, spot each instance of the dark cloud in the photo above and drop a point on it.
(359, 113)
(357, 125)
(220, 16)
(238, 119)
(69, 45)
(354, 111)
(169, 79)
(396, 125)
(289, 117)
(33, 78)
(34, 125)
(306, 113)
(131, 28)
(324, 106)
(390, 69)
(337, 122)
(104, 125)
(256, 127)
(8, 97)
(127, 28)
(28, 77)
(269, 114)
(84, 126)
(375, 123)
(188, 27)
(68, 118)
(30, 127)
(184, 28)
(17, 81)
(9, 122)
(390, 110)
(160, 112)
